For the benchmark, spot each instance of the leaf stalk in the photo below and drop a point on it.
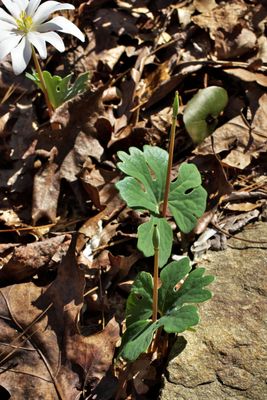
(43, 85)
(156, 273)
(42, 82)
(171, 151)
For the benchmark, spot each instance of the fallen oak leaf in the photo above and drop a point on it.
(95, 353)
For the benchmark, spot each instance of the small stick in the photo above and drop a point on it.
(171, 150)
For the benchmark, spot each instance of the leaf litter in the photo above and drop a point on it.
(63, 305)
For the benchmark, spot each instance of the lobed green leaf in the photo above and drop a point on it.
(187, 198)
(139, 303)
(59, 89)
(144, 187)
(175, 305)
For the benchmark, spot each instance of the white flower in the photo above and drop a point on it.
(25, 26)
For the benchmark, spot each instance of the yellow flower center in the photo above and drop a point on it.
(24, 22)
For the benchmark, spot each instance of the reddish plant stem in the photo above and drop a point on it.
(42, 82)
(170, 159)
(155, 287)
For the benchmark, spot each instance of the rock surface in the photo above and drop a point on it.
(226, 358)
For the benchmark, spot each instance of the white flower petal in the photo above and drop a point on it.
(61, 24)
(5, 35)
(8, 44)
(47, 8)
(23, 4)
(32, 7)
(54, 39)
(12, 7)
(7, 26)
(38, 42)
(21, 56)
(4, 16)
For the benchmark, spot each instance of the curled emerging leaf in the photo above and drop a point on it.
(202, 111)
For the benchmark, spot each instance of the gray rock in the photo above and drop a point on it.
(226, 358)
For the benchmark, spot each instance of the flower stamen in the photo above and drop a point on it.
(24, 22)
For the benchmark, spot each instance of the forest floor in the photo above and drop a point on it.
(68, 251)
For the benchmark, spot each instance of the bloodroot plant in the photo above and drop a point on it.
(25, 30)
(170, 305)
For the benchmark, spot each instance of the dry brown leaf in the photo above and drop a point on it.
(10, 218)
(223, 18)
(248, 76)
(121, 265)
(262, 53)
(133, 379)
(81, 110)
(36, 368)
(42, 363)
(97, 183)
(95, 353)
(93, 226)
(243, 207)
(205, 5)
(229, 25)
(162, 119)
(44, 201)
(214, 178)
(129, 87)
(25, 261)
(85, 146)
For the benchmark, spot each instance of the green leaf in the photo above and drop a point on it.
(78, 86)
(139, 303)
(59, 89)
(147, 170)
(202, 111)
(170, 276)
(137, 339)
(192, 290)
(177, 314)
(144, 189)
(187, 198)
(179, 320)
(139, 335)
(145, 239)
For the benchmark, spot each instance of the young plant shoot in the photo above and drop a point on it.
(147, 187)
(185, 198)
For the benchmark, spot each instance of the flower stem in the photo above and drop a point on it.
(42, 82)
(156, 273)
(171, 150)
